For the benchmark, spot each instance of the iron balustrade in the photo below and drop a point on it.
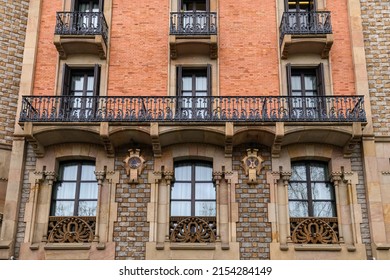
(194, 109)
(305, 23)
(81, 23)
(193, 23)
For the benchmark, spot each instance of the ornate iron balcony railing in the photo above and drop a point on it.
(305, 23)
(312, 230)
(192, 109)
(193, 23)
(81, 23)
(193, 229)
(71, 229)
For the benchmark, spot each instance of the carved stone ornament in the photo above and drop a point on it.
(252, 164)
(134, 164)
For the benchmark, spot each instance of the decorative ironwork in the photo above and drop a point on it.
(194, 109)
(193, 229)
(305, 23)
(193, 23)
(81, 23)
(71, 229)
(314, 230)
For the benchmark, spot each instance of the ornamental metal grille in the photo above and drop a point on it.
(71, 229)
(312, 230)
(193, 229)
(192, 109)
(193, 23)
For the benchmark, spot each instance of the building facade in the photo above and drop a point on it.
(199, 129)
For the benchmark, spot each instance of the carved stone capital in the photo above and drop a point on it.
(100, 176)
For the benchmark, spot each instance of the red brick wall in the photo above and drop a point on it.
(341, 54)
(45, 70)
(139, 48)
(248, 48)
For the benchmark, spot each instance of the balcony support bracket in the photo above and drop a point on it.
(104, 135)
(354, 140)
(279, 134)
(229, 133)
(38, 148)
(154, 134)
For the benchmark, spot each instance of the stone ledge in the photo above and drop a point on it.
(66, 246)
(192, 246)
(317, 247)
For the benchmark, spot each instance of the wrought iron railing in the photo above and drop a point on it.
(72, 229)
(81, 23)
(192, 229)
(193, 109)
(193, 23)
(311, 230)
(305, 23)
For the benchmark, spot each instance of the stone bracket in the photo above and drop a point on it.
(155, 135)
(104, 135)
(38, 148)
(229, 133)
(279, 134)
(354, 140)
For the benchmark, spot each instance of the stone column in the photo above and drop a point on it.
(285, 235)
(100, 176)
(336, 179)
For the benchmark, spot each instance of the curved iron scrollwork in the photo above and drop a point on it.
(193, 229)
(314, 230)
(71, 229)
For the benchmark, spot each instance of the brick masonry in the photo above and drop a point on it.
(376, 29)
(253, 228)
(13, 21)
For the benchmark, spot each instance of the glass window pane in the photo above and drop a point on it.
(298, 209)
(324, 209)
(298, 173)
(180, 208)
(88, 190)
(183, 173)
(201, 83)
(297, 191)
(90, 83)
(64, 208)
(203, 173)
(310, 82)
(181, 191)
(204, 191)
(187, 83)
(77, 82)
(322, 191)
(205, 208)
(87, 208)
(317, 173)
(88, 173)
(65, 191)
(296, 83)
(69, 172)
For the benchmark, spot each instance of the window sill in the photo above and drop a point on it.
(192, 246)
(317, 247)
(67, 246)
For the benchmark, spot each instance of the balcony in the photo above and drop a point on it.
(81, 33)
(306, 32)
(192, 109)
(193, 33)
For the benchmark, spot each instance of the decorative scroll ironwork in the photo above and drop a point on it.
(314, 230)
(194, 109)
(193, 229)
(305, 23)
(71, 229)
(193, 23)
(81, 23)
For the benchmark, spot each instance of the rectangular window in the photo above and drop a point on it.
(86, 14)
(194, 91)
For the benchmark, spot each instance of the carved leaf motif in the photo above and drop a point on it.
(71, 229)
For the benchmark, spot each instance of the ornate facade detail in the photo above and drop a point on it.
(193, 229)
(252, 165)
(314, 230)
(71, 229)
(134, 165)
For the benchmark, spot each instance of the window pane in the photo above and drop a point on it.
(187, 83)
(324, 209)
(205, 208)
(180, 208)
(201, 83)
(88, 173)
(297, 191)
(317, 173)
(69, 173)
(181, 191)
(64, 208)
(203, 173)
(298, 173)
(310, 82)
(295, 82)
(183, 173)
(298, 209)
(87, 208)
(90, 82)
(322, 191)
(88, 190)
(65, 191)
(204, 191)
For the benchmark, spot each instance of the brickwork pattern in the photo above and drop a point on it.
(357, 166)
(253, 228)
(131, 230)
(13, 21)
(29, 167)
(376, 30)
